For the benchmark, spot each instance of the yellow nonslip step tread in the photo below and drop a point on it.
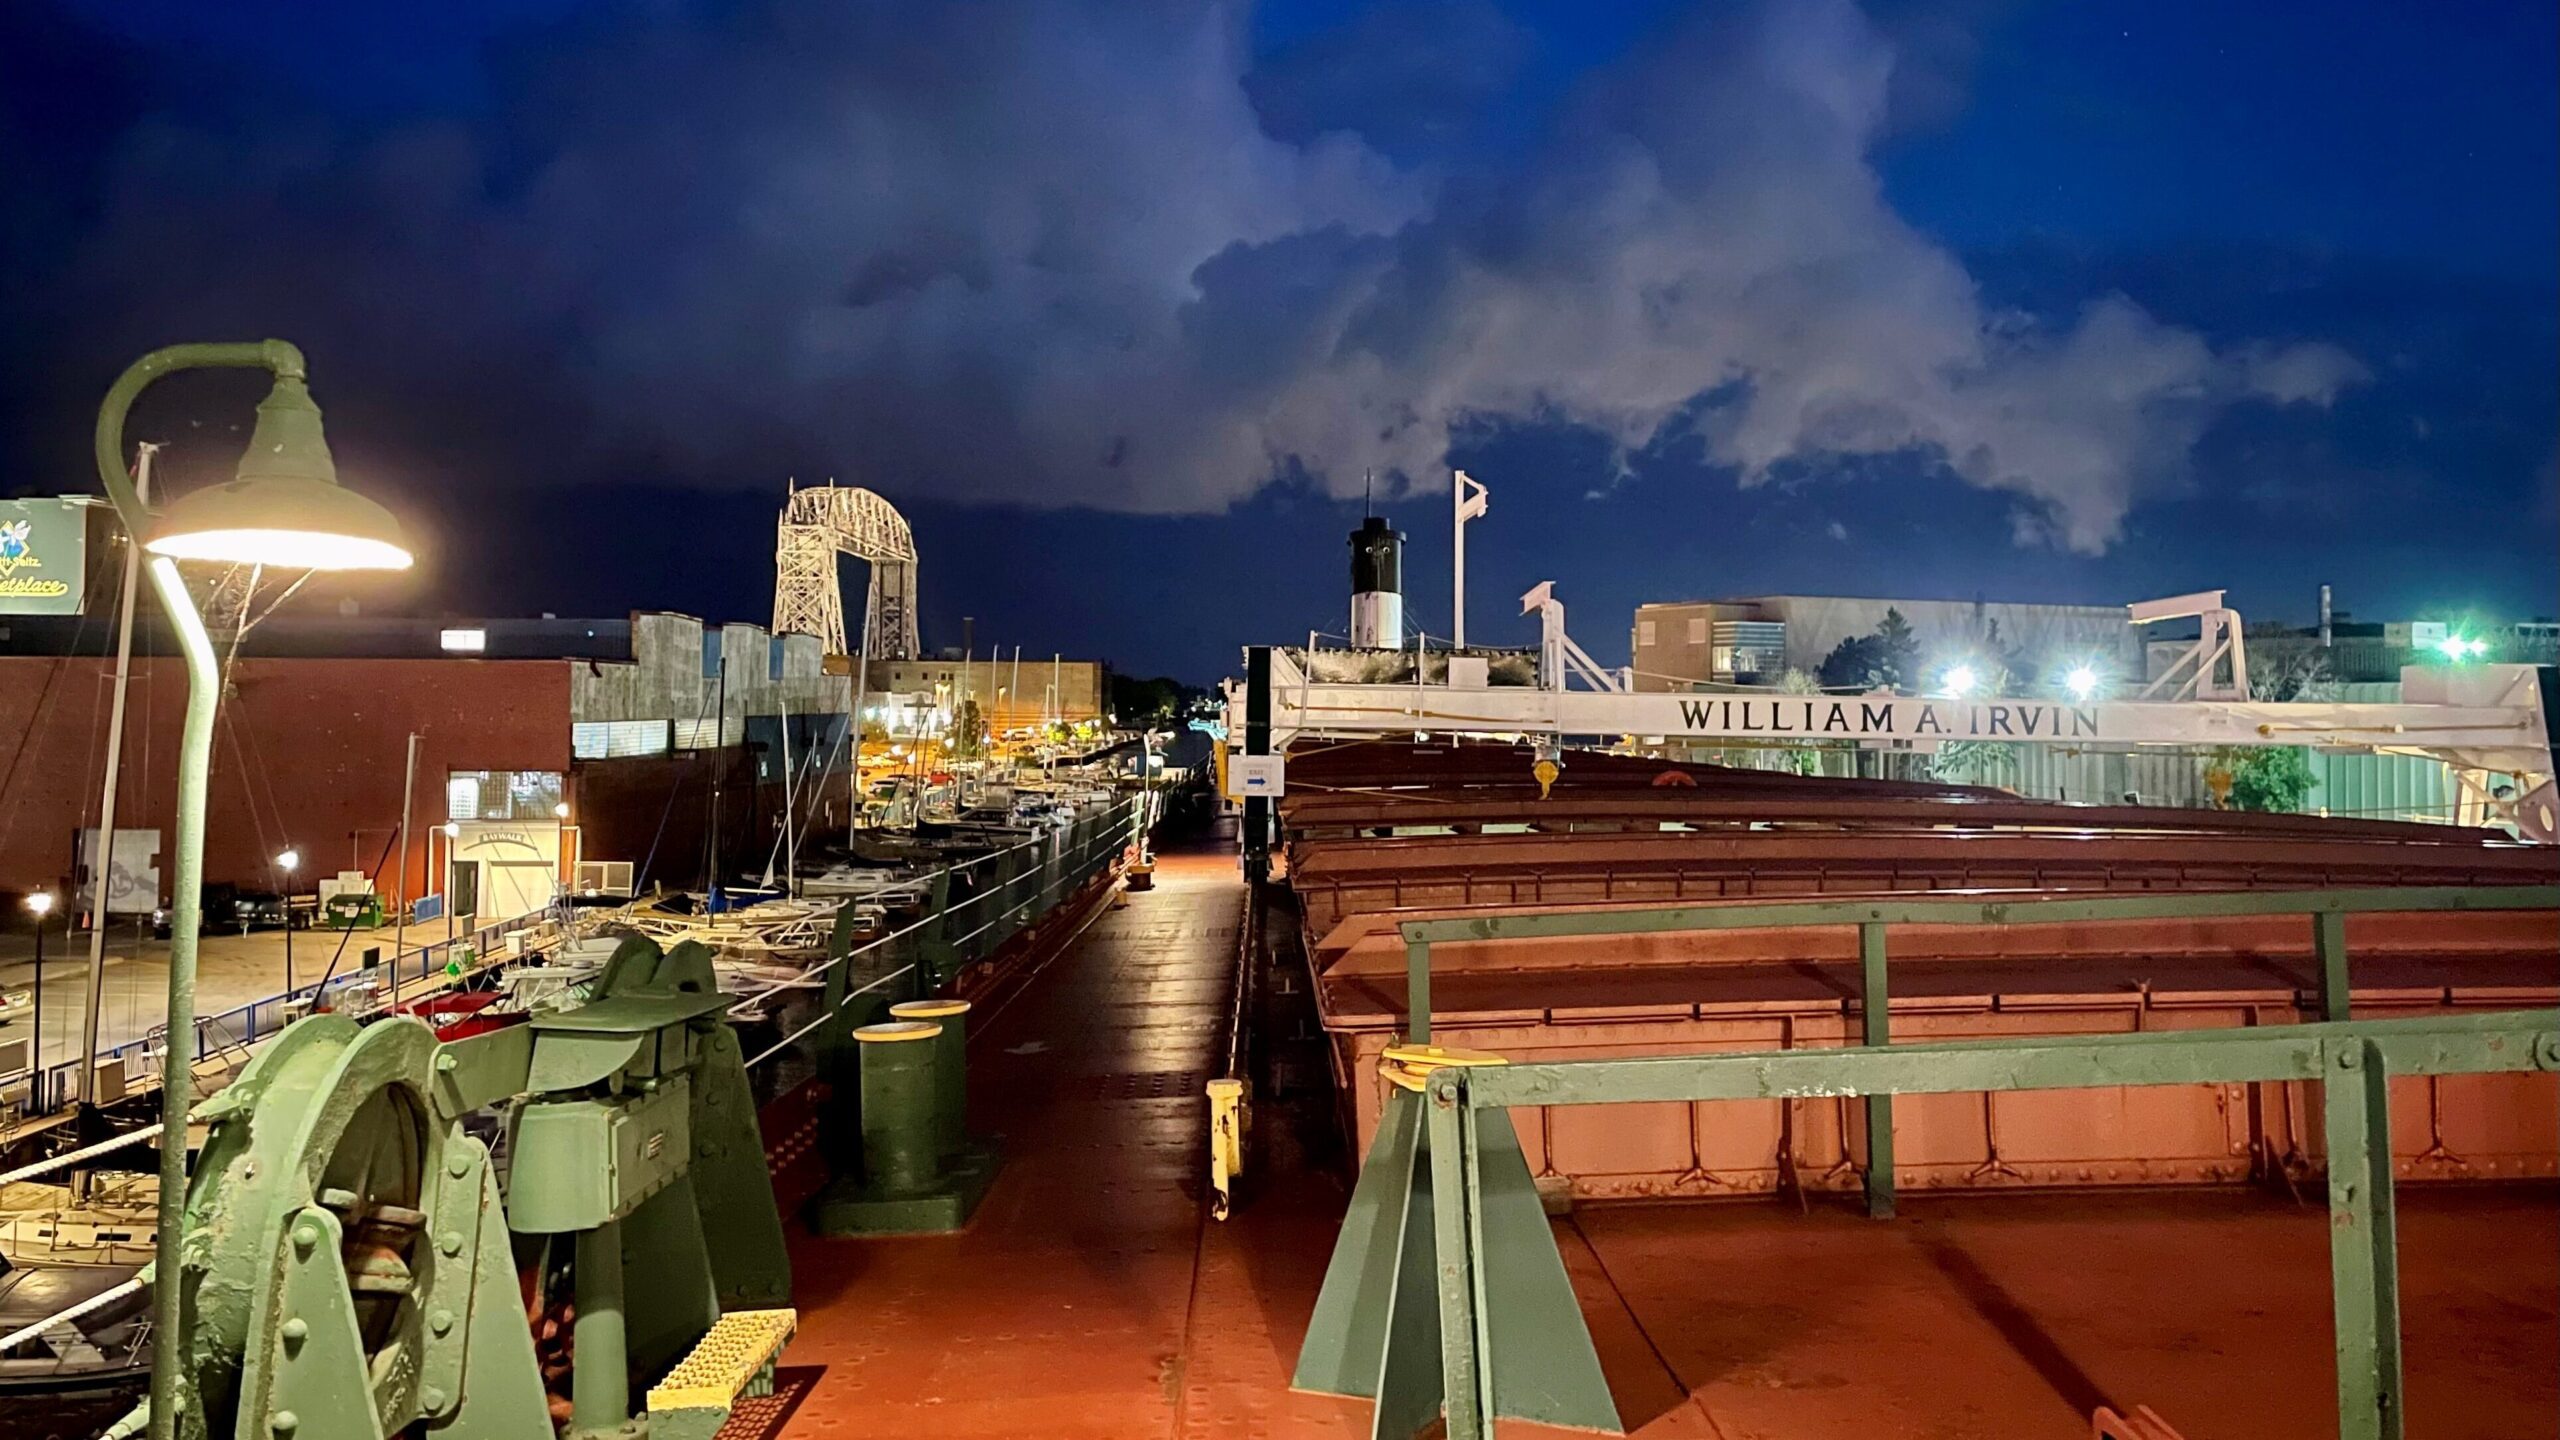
(725, 1360)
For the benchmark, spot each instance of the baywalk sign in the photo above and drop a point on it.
(43, 549)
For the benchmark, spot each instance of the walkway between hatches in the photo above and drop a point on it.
(1066, 1309)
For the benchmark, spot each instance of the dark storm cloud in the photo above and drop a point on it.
(1077, 252)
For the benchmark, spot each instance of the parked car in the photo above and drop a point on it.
(229, 909)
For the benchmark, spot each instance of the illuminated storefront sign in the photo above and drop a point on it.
(43, 547)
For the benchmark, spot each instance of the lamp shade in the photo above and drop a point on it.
(286, 507)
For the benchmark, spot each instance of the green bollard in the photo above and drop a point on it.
(901, 1150)
(950, 1066)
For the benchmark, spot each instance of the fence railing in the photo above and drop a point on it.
(2326, 910)
(1476, 1199)
(1029, 879)
(1000, 909)
(225, 1036)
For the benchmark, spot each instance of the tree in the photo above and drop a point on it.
(1897, 647)
(968, 731)
(1853, 664)
(1886, 658)
(2299, 675)
(2265, 777)
(1142, 703)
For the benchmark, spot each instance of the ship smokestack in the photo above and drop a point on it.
(1377, 586)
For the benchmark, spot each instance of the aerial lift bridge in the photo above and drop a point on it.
(824, 522)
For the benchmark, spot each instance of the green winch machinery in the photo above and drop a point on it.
(355, 1268)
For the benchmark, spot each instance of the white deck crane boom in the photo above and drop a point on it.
(2481, 720)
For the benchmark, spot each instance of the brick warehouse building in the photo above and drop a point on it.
(516, 718)
(308, 753)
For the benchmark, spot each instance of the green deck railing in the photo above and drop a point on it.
(1445, 1294)
(2327, 910)
(2354, 1060)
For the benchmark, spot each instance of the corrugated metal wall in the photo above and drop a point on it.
(2382, 787)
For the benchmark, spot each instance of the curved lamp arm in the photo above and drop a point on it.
(170, 1352)
(284, 359)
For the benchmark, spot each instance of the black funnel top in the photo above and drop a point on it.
(1377, 558)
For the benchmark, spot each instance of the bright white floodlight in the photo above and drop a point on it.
(2082, 682)
(1959, 680)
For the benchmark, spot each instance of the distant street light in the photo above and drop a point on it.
(2457, 648)
(288, 862)
(1958, 680)
(40, 904)
(2082, 682)
(284, 509)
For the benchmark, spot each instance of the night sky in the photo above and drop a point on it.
(1120, 300)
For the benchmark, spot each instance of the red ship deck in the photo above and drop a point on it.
(1090, 1297)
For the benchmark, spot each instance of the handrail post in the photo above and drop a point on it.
(1417, 992)
(1466, 1358)
(2329, 940)
(1875, 1022)
(2364, 1263)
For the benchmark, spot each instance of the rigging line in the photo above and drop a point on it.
(346, 935)
(640, 876)
(231, 731)
(240, 624)
(35, 717)
(794, 786)
(89, 786)
(792, 800)
(255, 768)
(273, 605)
(35, 722)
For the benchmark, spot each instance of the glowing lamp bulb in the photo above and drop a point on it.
(289, 860)
(2082, 682)
(1959, 680)
(41, 903)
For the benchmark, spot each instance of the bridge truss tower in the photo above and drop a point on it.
(824, 522)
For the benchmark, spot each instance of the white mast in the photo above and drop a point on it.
(1466, 502)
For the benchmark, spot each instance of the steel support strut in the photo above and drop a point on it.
(599, 1377)
(1417, 992)
(2329, 944)
(1875, 1018)
(2364, 1258)
(1466, 1349)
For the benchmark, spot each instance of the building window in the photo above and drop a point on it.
(464, 642)
(533, 795)
(617, 739)
(709, 734)
(1698, 630)
(1644, 632)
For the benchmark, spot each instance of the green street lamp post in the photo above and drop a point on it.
(286, 509)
